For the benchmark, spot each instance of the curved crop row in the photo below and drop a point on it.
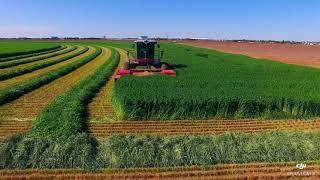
(8, 64)
(68, 109)
(39, 65)
(101, 105)
(228, 171)
(5, 55)
(32, 104)
(2, 60)
(200, 127)
(27, 76)
(58, 131)
(14, 92)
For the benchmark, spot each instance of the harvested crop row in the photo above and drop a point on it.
(35, 55)
(8, 128)
(200, 127)
(25, 77)
(228, 171)
(31, 104)
(29, 52)
(185, 127)
(13, 93)
(61, 127)
(18, 62)
(30, 67)
(101, 106)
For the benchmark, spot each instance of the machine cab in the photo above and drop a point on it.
(145, 48)
(147, 62)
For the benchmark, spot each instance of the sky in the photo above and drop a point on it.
(216, 19)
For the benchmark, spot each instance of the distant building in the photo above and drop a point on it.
(195, 38)
(55, 38)
(310, 43)
(71, 38)
(24, 38)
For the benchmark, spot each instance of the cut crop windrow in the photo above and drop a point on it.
(3, 60)
(14, 92)
(30, 67)
(141, 151)
(69, 109)
(17, 62)
(208, 85)
(61, 127)
(31, 104)
(187, 150)
(15, 54)
(68, 57)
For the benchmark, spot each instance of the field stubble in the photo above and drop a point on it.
(227, 171)
(101, 106)
(200, 127)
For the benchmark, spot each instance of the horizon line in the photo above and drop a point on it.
(161, 38)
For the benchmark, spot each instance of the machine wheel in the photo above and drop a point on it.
(126, 66)
(164, 66)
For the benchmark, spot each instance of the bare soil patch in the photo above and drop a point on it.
(287, 53)
(226, 171)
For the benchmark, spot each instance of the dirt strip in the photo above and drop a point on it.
(282, 170)
(170, 128)
(299, 54)
(31, 104)
(9, 128)
(101, 106)
(200, 127)
(25, 77)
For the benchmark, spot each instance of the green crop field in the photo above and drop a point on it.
(213, 84)
(12, 48)
(45, 121)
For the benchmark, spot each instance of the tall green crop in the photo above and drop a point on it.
(211, 84)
